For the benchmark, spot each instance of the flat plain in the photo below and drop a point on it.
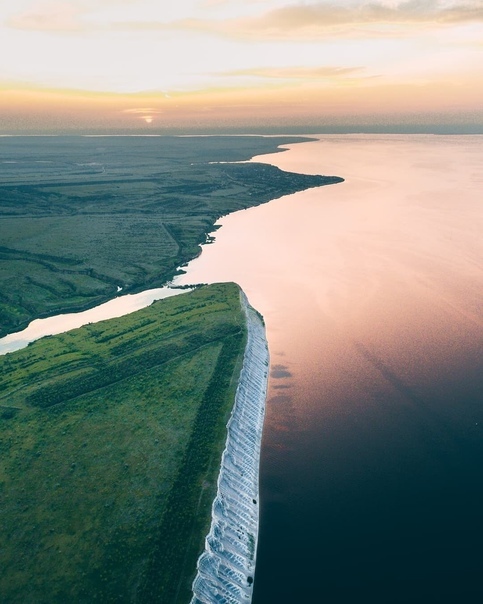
(81, 217)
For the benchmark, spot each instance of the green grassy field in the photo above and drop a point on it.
(82, 216)
(111, 438)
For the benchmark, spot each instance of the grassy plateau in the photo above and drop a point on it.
(111, 437)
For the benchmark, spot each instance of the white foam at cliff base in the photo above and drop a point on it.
(226, 568)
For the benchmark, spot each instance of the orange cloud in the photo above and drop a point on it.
(141, 110)
(295, 73)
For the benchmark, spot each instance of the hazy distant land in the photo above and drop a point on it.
(81, 217)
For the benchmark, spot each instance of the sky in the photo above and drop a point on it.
(241, 65)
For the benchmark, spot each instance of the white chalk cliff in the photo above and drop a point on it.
(227, 566)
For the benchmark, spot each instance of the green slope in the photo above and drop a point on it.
(111, 437)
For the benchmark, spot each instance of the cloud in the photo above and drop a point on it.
(303, 20)
(295, 72)
(141, 110)
(60, 16)
(320, 14)
(49, 16)
(146, 114)
(309, 21)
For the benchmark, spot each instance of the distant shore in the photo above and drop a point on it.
(77, 219)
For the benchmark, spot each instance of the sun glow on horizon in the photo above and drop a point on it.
(204, 64)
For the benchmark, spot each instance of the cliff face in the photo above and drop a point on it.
(226, 567)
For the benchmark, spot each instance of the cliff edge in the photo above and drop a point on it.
(226, 568)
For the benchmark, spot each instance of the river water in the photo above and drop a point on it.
(372, 455)
(118, 307)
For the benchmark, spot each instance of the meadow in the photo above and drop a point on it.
(111, 439)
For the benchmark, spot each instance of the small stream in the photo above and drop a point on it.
(122, 305)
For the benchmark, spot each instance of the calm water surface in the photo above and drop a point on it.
(122, 305)
(372, 458)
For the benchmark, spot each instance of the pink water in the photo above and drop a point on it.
(371, 292)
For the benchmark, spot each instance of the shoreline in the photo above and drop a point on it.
(226, 568)
(79, 295)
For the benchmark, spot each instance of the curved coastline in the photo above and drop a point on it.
(225, 570)
(51, 278)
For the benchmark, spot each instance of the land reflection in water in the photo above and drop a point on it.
(372, 446)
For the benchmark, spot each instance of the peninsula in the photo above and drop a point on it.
(112, 436)
(123, 440)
